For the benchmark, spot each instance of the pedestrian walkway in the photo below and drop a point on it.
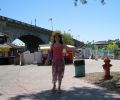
(82, 92)
(32, 82)
(75, 89)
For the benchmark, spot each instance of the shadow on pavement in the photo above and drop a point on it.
(84, 93)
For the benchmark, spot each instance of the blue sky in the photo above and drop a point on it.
(84, 22)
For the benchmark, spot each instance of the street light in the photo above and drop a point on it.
(77, 36)
(0, 9)
(35, 21)
(68, 30)
(50, 19)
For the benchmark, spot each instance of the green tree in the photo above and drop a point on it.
(112, 46)
(85, 2)
(68, 39)
(89, 44)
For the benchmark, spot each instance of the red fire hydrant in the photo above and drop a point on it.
(106, 67)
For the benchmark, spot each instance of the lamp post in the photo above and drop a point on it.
(77, 36)
(0, 9)
(68, 30)
(35, 21)
(51, 22)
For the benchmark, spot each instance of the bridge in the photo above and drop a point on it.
(31, 35)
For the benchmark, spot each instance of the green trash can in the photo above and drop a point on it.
(79, 68)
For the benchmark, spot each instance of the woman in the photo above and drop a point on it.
(58, 64)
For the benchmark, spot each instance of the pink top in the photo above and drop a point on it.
(58, 53)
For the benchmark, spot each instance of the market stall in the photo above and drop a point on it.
(68, 55)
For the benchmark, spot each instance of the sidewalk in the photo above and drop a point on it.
(75, 90)
(33, 82)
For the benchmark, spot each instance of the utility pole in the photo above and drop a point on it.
(0, 9)
(35, 21)
(68, 30)
(31, 22)
(77, 36)
(51, 22)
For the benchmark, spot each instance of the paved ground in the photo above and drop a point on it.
(32, 82)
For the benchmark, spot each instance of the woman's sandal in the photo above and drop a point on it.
(54, 88)
(59, 90)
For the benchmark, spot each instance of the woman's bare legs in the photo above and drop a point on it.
(54, 86)
(59, 85)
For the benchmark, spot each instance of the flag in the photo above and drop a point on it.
(50, 19)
